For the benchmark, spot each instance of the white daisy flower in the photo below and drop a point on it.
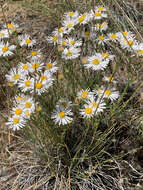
(98, 15)
(53, 39)
(109, 79)
(6, 49)
(113, 37)
(128, 43)
(29, 104)
(71, 42)
(26, 84)
(35, 66)
(100, 8)
(69, 24)
(125, 34)
(42, 84)
(87, 111)
(138, 49)
(62, 42)
(107, 56)
(25, 40)
(4, 34)
(51, 67)
(59, 32)
(96, 62)
(84, 94)
(11, 27)
(84, 18)
(64, 102)
(16, 122)
(71, 53)
(35, 54)
(46, 77)
(71, 15)
(24, 68)
(18, 99)
(14, 75)
(62, 116)
(101, 27)
(27, 114)
(97, 105)
(111, 94)
(18, 110)
(102, 39)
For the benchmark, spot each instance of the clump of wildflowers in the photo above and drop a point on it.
(81, 36)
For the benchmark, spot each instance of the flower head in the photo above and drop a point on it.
(16, 122)
(62, 116)
(25, 40)
(6, 49)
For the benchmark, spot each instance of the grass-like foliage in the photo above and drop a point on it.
(70, 106)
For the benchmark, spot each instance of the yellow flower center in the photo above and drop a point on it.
(108, 92)
(64, 43)
(71, 13)
(16, 120)
(43, 77)
(10, 84)
(10, 25)
(95, 61)
(110, 79)
(64, 104)
(60, 30)
(88, 110)
(28, 41)
(62, 114)
(84, 94)
(16, 76)
(35, 66)
(100, 8)
(140, 51)
(25, 67)
(125, 33)
(94, 104)
(72, 42)
(27, 83)
(34, 53)
(20, 98)
(81, 19)
(101, 38)
(38, 108)
(27, 113)
(49, 65)
(28, 104)
(38, 85)
(130, 42)
(69, 53)
(18, 111)
(99, 26)
(55, 38)
(5, 48)
(105, 55)
(87, 33)
(97, 14)
(113, 36)
(13, 30)
(69, 25)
